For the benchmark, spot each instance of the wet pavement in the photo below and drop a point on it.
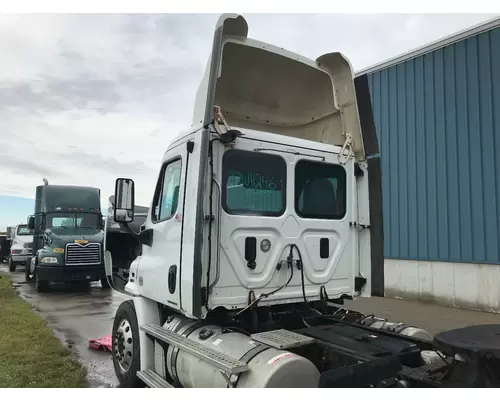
(77, 314)
(431, 317)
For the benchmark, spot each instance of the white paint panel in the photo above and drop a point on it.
(462, 285)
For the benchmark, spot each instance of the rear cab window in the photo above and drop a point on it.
(253, 183)
(320, 190)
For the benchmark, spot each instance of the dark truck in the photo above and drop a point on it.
(5, 244)
(4, 247)
(68, 236)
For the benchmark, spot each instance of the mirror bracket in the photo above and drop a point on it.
(146, 237)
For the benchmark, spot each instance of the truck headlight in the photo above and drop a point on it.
(49, 260)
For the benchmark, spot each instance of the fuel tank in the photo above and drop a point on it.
(268, 367)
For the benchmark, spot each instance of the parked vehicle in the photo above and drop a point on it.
(68, 236)
(261, 224)
(21, 246)
(4, 248)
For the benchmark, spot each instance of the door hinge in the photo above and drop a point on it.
(360, 226)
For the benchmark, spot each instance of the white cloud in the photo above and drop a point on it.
(87, 98)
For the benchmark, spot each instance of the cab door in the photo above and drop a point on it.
(158, 271)
(325, 204)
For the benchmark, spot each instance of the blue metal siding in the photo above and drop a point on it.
(438, 126)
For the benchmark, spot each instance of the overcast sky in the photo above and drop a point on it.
(85, 99)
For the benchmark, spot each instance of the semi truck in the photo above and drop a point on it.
(68, 236)
(21, 246)
(265, 218)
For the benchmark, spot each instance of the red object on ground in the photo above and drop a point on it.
(103, 344)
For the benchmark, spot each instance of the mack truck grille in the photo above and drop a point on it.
(87, 254)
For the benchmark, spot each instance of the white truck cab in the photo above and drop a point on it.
(260, 226)
(22, 246)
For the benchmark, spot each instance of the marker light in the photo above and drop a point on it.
(265, 245)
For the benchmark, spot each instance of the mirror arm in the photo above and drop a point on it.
(127, 227)
(145, 237)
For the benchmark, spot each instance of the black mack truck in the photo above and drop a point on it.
(67, 236)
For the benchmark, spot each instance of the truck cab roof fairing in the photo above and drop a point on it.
(266, 88)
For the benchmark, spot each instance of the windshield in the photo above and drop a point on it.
(22, 230)
(80, 221)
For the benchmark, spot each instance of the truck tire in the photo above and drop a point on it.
(41, 286)
(12, 265)
(27, 273)
(105, 283)
(126, 347)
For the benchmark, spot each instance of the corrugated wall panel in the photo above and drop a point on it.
(438, 126)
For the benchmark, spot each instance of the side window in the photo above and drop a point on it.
(320, 190)
(167, 192)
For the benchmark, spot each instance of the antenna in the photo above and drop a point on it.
(45, 181)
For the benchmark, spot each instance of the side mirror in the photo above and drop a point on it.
(31, 222)
(124, 200)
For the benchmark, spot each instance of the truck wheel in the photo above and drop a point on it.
(105, 283)
(41, 286)
(12, 265)
(126, 346)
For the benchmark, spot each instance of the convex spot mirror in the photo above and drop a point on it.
(124, 200)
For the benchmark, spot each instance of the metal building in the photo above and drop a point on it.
(437, 118)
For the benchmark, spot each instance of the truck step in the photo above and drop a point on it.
(215, 358)
(153, 380)
(282, 339)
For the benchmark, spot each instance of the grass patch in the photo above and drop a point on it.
(30, 355)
